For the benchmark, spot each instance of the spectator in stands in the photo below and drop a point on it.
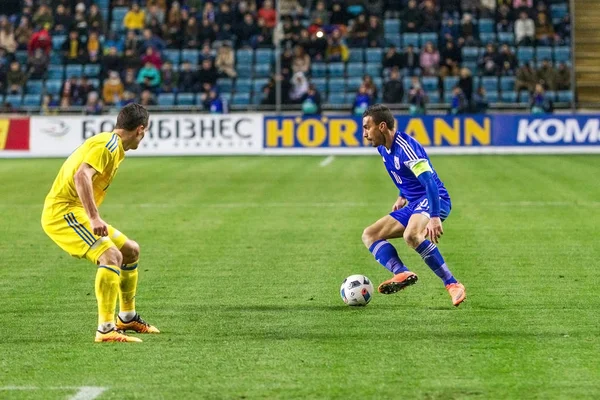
(135, 18)
(361, 102)
(73, 50)
(526, 79)
(62, 20)
(113, 89)
(488, 9)
(4, 67)
(94, 48)
(148, 40)
(299, 87)
(563, 77)
(7, 36)
(430, 60)
(190, 36)
(480, 102)
(507, 62)
(359, 33)
(225, 61)
(43, 17)
(268, 14)
(488, 61)
(546, 75)
(450, 31)
(156, 28)
(411, 17)
(37, 64)
(93, 106)
(41, 40)
(338, 17)
(152, 57)
(213, 103)
(65, 103)
(246, 31)
(147, 98)
(459, 103)
(505, 25)
(311, 102)
(468, 30)
(393, 90)
(129, 83)
(336, 51)
(392, 59)
(112, 40)
(169, 78)
(225, 16)
(67, 90)
(417, 98)
(80, 24)
(188, 79)
(471, 7)
(112, 61)
(544, 31)
(49, 105)
(23, 33)
(466, 83)
(264, 38)
(375, 34)
(269, 91)
(522, 5)
(15, 79)
(524, 30)
(208, 12)
(411, 61)
(370, 86)
(431, 18)
(207, 76)
(563, 30)
(320, 12)
(95, 20)
(128, 98)
(301, 60)
(81, 91)
(451, 58)
(540, 103)
(153, 11)
(149, 77)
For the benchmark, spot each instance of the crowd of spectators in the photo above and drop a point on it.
(131, 50)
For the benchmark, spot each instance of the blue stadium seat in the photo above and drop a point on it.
(428, 37)
(507, 83)
(118, 14)
(470, 53)
(185, 99)
(55, 71)
(244, 70)
(434, 97)
(489, 83)
(166, 99)
(391, 26)
(241, 99)
(378, 81)
(410, 38)
(21, 56)
(264, 56)
(353, 84)
(525, 53)
(356, 55)
(393, 39)
(32, 100)
(14, 99)
(565, 96)
(486, 25)
(356, 69)
(91, 70)
(349, 97)
(506, 37)
(320, 84)
(487, 37)
(74, 70)
(57, 41)
(95, 82)
(373, 69)
(337, 98)
(262, 70)
(224, 84)
(336, 69)
(509, 97)
(258, 84)
(34, 86)
(492, 96)
(190, 55)
(172, 55)
(56, 58)
(430, 83)
(559, 10)
(336, 85)
(226, 97)
(449, 83)
(257, 98)
(243, 85)
(471, 66)
(543, 53)
(406, 82)
(53, 86)
(318, 70)
(244, 56)
(448, 97)
(562, 53)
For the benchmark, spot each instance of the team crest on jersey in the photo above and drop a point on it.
(396, 162)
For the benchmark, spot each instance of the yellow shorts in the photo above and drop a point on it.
(69, 227)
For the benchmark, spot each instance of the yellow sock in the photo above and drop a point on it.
(107, 290)
(128, 287)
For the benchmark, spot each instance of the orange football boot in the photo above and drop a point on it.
(457, 293)
(137, 324)
(398, 282)
(114, 336)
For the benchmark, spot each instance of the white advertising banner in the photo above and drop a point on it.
(169, 134)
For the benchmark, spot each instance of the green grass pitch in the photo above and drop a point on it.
(242, 260)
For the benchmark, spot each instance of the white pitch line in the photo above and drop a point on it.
(328, 160)
(88, 393)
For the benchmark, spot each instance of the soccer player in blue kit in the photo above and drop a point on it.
(423, 203)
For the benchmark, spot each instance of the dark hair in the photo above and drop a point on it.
(131, 116)
(380, 113)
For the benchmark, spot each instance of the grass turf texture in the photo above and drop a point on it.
(242, 259)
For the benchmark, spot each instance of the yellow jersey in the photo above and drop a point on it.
(103, 152)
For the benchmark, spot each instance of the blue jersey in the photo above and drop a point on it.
(405, 153)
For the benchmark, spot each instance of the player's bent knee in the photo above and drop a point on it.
(413, 238)
(130, 251)
(368, 236)
(112, 256)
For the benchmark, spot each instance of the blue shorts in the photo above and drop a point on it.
(421, 206)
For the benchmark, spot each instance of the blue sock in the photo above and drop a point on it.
(432, 257)
(386, 255)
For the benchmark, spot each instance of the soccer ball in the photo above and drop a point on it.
(356, 290)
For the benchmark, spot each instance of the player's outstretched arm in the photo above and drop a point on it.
(83, 185)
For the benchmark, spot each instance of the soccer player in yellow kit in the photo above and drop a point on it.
(72, 221)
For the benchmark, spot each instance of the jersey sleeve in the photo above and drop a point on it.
(413, 157)
(99, 156)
